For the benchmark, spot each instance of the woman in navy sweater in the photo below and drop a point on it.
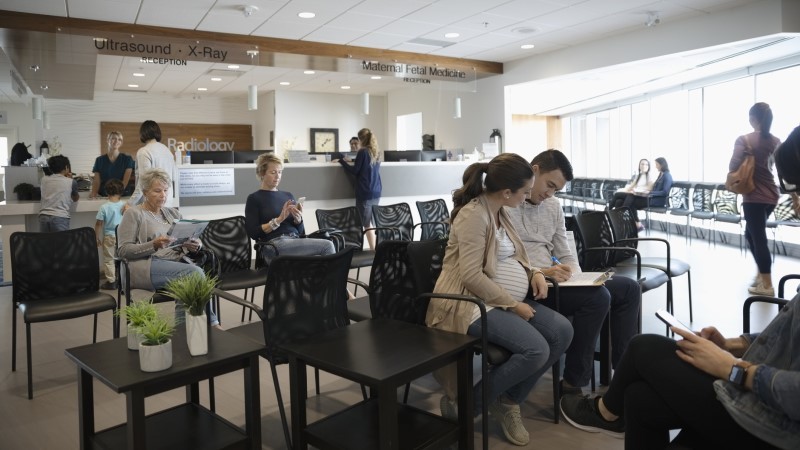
(366, 169)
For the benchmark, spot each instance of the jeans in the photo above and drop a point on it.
(755, 231)
(286, 245)
(588, 307)
(162, 270)
(48, 223)
(536, 345)
(655, 391)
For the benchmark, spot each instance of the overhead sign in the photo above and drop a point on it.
(183, 137)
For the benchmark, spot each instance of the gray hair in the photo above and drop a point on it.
(153, 175)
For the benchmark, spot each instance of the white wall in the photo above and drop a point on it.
(297, 112)
(20, 120)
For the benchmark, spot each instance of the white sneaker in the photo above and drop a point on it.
(761, 290)
(510, 420)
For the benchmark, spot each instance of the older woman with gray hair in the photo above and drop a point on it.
(144, 243)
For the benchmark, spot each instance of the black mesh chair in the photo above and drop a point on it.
(393, 222)
(435, 219)
(426, 258)
(623, 225)
(303, 296)
(56, 277)
(702, 208)
(726, 210)
(679, 204)
(227, 238)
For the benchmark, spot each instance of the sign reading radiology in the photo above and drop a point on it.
(206, 182)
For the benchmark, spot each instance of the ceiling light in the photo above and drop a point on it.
(523, 30)
(44, 87)
(376, 77)
(216, 79)
(252, 53)
(653, 19)
(306, 15)
(451, 35)
(309, 72)
(345, 87)
(249, 10)
(202, 89)
(526, 46)
(138, 74)
(285, 83)
(34, 68)
(233, 66)
(133, 85)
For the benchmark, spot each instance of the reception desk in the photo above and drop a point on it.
(325, 186)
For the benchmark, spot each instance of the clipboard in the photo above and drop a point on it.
(586, 279)
(183, 230)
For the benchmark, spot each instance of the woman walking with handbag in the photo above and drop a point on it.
(758, 204)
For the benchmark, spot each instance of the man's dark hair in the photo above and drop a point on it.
(57, 163)
(552, 159)
(114, 187)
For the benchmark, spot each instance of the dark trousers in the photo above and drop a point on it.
(635, 203)
(655, 392)
(626, 300)
(755, 231)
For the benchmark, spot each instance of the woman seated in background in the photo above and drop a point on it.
(143, 241)
(112, 165)
(741, 392)
(641, 182)
(275, 216)
(656, 196)
(486, 258)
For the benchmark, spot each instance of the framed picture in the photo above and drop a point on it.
(324, 140)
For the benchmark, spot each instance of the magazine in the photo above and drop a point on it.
(183, 230)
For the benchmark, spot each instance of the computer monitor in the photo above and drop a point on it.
(433, 155)
(248, 156)
(212, 157)
(401, 155)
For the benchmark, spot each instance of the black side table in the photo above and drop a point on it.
(383, 354)
(186, 426)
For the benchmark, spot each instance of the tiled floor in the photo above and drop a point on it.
(720, 276)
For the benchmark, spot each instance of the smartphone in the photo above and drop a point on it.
(301, 200)
(670, 320)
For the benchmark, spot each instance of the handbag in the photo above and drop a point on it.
(740, 180)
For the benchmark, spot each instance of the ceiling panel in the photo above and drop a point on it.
(122, 11)
(186, 14)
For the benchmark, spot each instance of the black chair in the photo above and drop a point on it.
(393, 222)
(426, 258)
(303, 296)
(388, 276)
(597, 252)
(227, 238)
(623, 225)
(56, 277)
(678, 194)
(726, 210)
(435, 219)
(783, 216)
(702, 208)
(780, 301)
(679, 204)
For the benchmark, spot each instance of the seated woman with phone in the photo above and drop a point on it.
(274, 216)
(741, 392)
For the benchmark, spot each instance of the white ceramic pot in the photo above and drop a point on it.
(134, 338)
(154, 358)
(197, 334)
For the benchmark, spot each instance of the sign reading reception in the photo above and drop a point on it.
(206, 182)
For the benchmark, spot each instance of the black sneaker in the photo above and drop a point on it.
(583, 413)
(109, 286)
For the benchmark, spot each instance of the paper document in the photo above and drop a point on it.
(183, 230)
(587, 279)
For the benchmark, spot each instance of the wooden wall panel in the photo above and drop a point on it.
(193, 137)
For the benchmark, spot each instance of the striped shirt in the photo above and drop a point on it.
(510, 275)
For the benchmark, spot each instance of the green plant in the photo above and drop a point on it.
(156, 330)
(193, 291)
(138, 312)
(24, 188)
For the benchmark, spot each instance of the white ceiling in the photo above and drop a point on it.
(490, 30)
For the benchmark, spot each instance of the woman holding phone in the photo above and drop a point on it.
(274, 216)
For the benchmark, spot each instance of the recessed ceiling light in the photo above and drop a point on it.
(285, 83)
(451, 35)
(523, 30)
(376, 77)
(526, 46)
(345, 87)
(306, 15)
(202, 89)
(233, 66)
(133, 85)
(309, 72)
(138, 74)
(216, 79)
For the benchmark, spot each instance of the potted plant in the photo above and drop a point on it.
(193, 292)
(155, 350)
(136, 314)
(24, 191)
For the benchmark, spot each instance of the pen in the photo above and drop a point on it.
(555, 260)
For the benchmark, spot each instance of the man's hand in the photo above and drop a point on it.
(559, 272)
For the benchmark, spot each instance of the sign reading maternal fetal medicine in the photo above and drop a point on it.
(182, 137)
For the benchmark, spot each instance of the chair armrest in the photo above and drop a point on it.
(258, 246)
(446, 225)
(782, 283)
(632, 251)
(360, 283)
(652, 239)
(757, 299)
(396, 234)
(239, 301)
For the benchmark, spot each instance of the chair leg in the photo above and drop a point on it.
(316, 379)
(212, 403)
(252, 300)
(605, 352)
(94, 330)
(689, 282)
(13, 336)
(282, 411)
(30, 364)
(556, 391)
